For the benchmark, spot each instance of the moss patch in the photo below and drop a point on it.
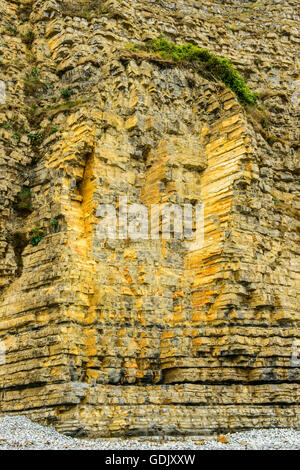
(211, 66)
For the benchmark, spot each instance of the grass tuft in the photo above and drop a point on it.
(217, 67)
(36, 236)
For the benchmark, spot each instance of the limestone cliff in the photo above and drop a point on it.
(146, 337)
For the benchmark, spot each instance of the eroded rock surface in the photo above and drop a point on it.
(148, 337)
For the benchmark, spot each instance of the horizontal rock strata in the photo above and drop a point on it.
(132, 337)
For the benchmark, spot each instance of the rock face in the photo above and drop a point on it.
(129, 337)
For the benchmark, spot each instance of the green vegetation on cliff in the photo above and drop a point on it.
(36, 236)
(218, 67)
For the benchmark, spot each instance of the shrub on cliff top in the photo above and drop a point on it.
(218, 67)
(35, 137)
(65, 93)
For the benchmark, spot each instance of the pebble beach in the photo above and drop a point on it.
(19, 433)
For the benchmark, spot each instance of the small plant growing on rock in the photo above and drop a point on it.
(35, 137)
(35, 72)
(210, 65)
(54, 223)
(16, 136)
(36, 236)
(65, 93)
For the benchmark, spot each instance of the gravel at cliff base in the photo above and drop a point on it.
(19, 433)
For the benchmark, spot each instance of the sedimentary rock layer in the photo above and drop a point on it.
(111, 337)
